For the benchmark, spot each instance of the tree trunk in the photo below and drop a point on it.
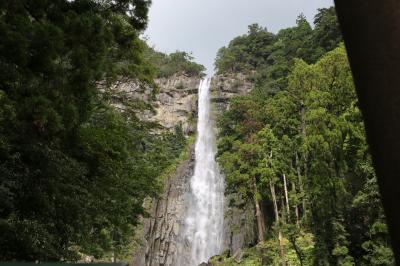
(276, 212)
(283, 212)
(304, 135)
(259, 214)
(274, 201)
(296, 208)
(113, 257)
(301, 187)
(286, 198)
(297, 249)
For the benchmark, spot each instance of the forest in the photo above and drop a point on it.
(74, 169)
(295, 148)
(78, 162)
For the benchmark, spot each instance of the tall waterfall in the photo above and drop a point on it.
(204, 221)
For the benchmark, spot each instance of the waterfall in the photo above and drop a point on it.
(204, 221)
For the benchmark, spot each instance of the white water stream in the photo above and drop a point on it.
(204, 221)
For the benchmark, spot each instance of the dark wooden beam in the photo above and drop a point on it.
(371, 30)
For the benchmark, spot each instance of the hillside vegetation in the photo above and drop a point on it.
(75, 170)
(295, 148)
(177, 63)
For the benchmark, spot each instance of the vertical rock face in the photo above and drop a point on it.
(165, 226)
(239, 226)
(176, 104)
(224, 87)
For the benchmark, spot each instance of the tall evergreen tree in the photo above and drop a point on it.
(74, 171)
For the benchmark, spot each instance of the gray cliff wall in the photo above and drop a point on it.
(239, 222)
(161, 243)
(176, 103)
(163, 230)
(225, 87)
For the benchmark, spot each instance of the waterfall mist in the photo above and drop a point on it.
(205, 217)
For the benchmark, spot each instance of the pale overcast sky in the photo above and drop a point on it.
(204, 26)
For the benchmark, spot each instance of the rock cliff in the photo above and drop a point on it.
(224, 87)
(239, 226)
(176, 104)
(162, 230)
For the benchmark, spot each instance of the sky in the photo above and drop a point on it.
(203, 26)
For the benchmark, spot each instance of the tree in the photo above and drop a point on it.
(74, 171)
(309, 136)
(246, 52)
(174, 64)
(326, 35)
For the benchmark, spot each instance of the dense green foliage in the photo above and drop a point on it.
(76, 161)
(74, 171)
(247, 52)
(268, 58)
(179, 63)
(267, 253)
(298, 150)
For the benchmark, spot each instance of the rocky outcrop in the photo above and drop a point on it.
(240, 227)
(177, 103)
(225, 87)
(165, 226)
(174, 104)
